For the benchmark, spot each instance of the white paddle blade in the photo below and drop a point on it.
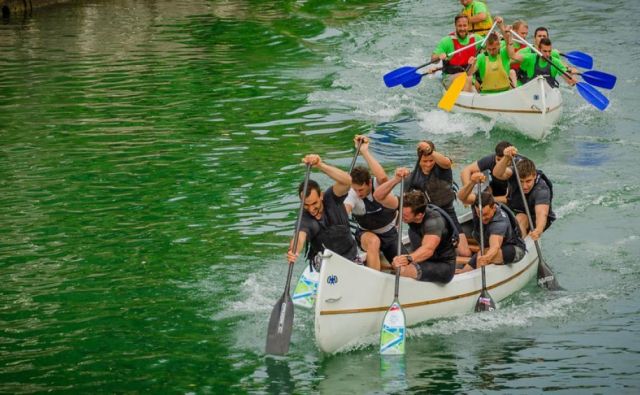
(304, 295)
(393, 332)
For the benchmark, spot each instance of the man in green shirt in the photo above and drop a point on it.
(540, 33)
(491, 68)
(533, 65)
(448, 44)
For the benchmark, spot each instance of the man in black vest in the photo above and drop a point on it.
(433, 176)
(487, 163)
(325, 222)
(503, 244)
(376, 221)
(537, 190)
(431, 234)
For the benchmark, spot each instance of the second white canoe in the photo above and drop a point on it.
(533, 108)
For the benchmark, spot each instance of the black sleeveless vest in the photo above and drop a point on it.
(437, 190)
(376, 215)
(543, 71)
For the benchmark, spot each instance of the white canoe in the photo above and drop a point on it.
(533, 109)
(351, 299)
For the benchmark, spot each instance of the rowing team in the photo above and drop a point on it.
(504, 64)
(439, 246)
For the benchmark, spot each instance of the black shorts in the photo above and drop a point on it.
(441, 272)
(510, 253)
(388, 243)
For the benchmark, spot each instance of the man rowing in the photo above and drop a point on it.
(325, 222)
(479, 16)
(522, 28)
(376, 220)
(458, 63)
(484, 165)
(533, 65)
(432, 175)
(491, 68)
(537, 189)
(501, 230)
(433, 237)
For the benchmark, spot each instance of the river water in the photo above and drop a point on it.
(149, 152)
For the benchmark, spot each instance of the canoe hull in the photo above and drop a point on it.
(533, 108)
(352, 299)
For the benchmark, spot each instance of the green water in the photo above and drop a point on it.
(149, 152)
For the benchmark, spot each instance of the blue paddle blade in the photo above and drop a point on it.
(398, 76)
(579, 59)
(413, 80)
(592, 95)
(599, 79)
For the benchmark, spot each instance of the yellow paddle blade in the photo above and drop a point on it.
(451, 95)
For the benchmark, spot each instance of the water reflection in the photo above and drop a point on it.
(278, 380)
(393, 373)
(589, 153)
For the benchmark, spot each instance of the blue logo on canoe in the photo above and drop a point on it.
(332, 279)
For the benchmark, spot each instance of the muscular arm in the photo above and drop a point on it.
(383, 192)
(375, 167)
(502, 171)
(465, 174)
(291, 256)
(465, 177)
(440, 53)
(495, 242)
(478, 17)
(513, 54)
(441, 160)
(341, 177)
(465, 194)
(426, 249)
(542, 212)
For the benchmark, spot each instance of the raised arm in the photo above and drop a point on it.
(466, 194)
(375, 167)
(467, 171)
(383, 191)
(428, 148)
(514, 55)
(342, 178)
(502, 171)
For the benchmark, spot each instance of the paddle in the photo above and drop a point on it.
(599, 79)
(417, 77)
(578, 59)
(457, 85)
(355, 156)
(451, 95)
(281, 321)
(304, 293)
(485, 302)
(392, 334)
(587, 92)
(546, 278)
(402, 74)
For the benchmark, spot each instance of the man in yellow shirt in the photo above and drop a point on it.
(479, 16)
